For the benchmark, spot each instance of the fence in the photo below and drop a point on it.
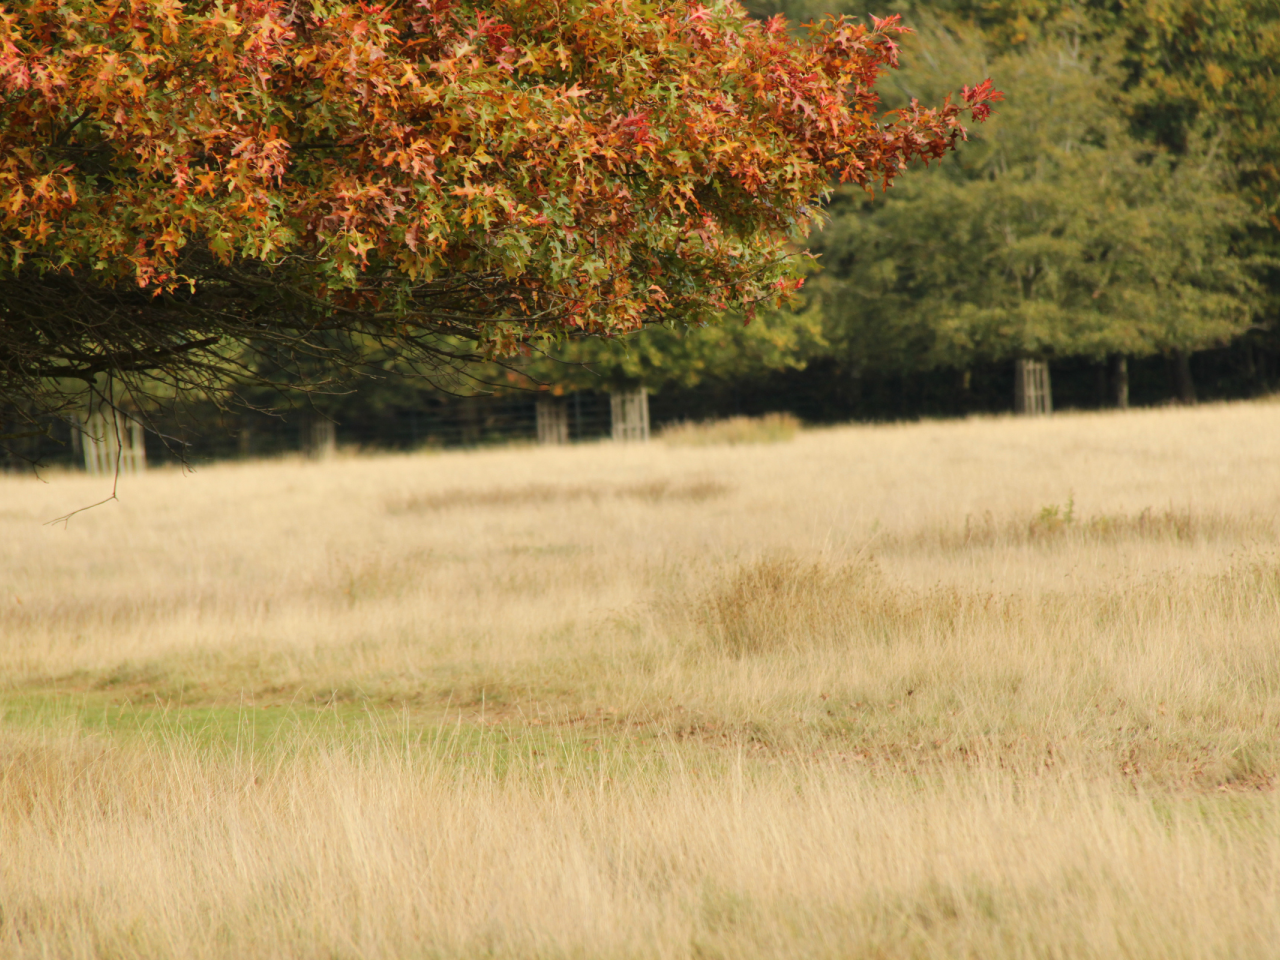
(827, 391)
(437, 422)
(628, 417)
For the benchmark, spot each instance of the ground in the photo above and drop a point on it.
(987, 688)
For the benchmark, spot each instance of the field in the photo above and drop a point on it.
(989, 688)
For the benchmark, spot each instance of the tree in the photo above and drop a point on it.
(1056, 234)
(681, 355)
(186, 188)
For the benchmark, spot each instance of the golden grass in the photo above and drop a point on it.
(770, 428)
(993, 688)
(653, 491)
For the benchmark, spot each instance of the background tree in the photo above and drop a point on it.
(680, 355)
(1057, 234)
(185, 189)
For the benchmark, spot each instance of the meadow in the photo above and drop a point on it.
(987, 688)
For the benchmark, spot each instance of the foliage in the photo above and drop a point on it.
(1057, 233)
(1197, 63)
(1003, 22)
(439, 180)
(679, 355)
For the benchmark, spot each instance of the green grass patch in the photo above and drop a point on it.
(277, 733)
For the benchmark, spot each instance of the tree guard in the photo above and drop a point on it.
(630, 410)
(1032, 395)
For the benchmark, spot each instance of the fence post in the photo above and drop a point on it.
(630, 410)
(553, 421)
(1032, 394)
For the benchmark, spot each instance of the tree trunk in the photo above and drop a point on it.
(855, 389)
(469, 422)
(1120, 381)
(1184, 386)
(244, 442)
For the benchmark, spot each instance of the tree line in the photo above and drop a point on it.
(1122, 203)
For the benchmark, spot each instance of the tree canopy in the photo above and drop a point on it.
(186, 186)
(1056, 234)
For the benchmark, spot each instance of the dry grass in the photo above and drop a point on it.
(654, 491)
(770, 428)
(988, 689)
(1056, 522)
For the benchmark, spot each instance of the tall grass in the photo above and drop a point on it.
(362, 851)
(992, 688)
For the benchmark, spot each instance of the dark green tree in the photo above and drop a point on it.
(1059, 233)
(681, 355)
